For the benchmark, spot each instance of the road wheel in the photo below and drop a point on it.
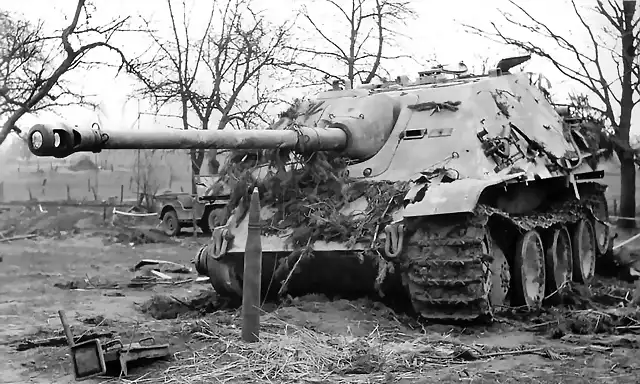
(528, 268)
(170, 223)
(558, 260)
(583, 244)
(500, 274)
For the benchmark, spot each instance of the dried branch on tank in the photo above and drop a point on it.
(309, 193)
(503, 106)
(436, 107)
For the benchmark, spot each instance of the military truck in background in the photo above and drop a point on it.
(176, 210)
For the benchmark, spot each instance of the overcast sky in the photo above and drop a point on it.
(437, 31)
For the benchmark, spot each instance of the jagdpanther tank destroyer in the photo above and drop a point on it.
(464, 194)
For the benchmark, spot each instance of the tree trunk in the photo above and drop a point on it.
(213, 164)
(627, 191)
(376, 64)
(197, 157)
(626, 155)
(4, 132)
(212, 161)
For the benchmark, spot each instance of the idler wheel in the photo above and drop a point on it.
(224, 279)
(222, 276)
(583, 244)
(500, 275)
(528, 268)
(558, 261)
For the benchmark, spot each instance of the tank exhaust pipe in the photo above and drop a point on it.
(61, 140)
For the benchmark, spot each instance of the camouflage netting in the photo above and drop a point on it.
(308, 192)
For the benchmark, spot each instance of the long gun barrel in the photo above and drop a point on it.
(61, 140)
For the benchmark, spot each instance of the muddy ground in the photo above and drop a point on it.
(85, 269)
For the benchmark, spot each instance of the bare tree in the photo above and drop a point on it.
(227, 75)
(369, 29)
(33, 64)
(616, 45)
(148, 180)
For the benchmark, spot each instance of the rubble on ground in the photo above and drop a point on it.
(163, 266)
(136, 236)
(170, 307)
(86, 283)
(604, 307)
(623, 264)
(59, 341)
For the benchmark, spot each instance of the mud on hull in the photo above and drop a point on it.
(454, 267)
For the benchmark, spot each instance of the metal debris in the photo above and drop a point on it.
(166, 266)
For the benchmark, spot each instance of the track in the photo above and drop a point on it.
(446, 269)
(448, 263)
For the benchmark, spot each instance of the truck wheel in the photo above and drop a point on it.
(170, 223)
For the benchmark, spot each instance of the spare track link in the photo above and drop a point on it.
(446, 267)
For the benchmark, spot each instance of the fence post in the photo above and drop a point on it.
(121, 193)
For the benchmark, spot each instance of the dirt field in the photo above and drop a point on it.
(82, 264)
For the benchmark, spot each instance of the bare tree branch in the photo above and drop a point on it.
(369, 26)
(219, 74)
(33, 65)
